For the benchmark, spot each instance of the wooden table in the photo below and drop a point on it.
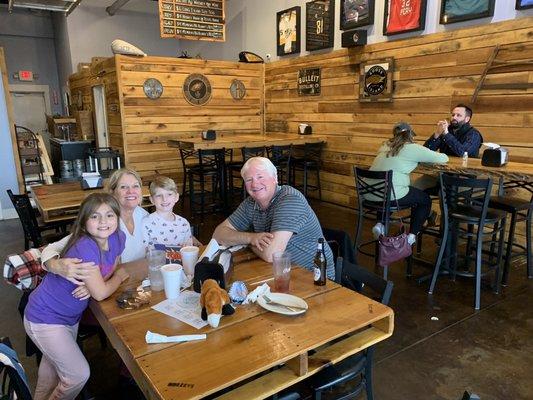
(248, 343)
(61, 201)
(239, 141)
(512, 171)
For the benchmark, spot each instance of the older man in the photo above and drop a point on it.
(458, 136)
(273, 218)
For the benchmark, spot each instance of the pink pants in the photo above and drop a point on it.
(63, 370)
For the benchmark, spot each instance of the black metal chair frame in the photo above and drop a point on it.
(520, 211)
(379, 185)
(12, 384)
(31, 227)
(311, 160)
(358, 279)
(465, 201)
(281, 158)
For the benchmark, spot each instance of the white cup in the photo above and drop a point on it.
(189, 257)
(171, 280)
(302, 127)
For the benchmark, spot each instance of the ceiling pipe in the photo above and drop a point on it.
(113, 8)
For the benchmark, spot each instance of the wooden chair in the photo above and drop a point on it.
(33, 230)
(359, 365)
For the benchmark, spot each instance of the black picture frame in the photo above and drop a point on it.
(288, 27)
(355, 13)
(420, 22)
(448, 17)
(319, 24)
(523, 4)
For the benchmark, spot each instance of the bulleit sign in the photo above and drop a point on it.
(193, 19)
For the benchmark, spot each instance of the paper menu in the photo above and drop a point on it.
(185, 308)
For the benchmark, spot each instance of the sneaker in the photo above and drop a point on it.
(378, 230)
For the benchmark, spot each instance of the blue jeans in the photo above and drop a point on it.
(420, 203)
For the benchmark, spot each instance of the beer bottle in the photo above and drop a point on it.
(320, 264)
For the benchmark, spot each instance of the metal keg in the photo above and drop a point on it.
(65, 168)
(78, 167)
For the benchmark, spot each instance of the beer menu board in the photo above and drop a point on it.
(192, 19)
(319, 24)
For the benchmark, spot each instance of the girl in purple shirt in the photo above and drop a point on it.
(52, 315)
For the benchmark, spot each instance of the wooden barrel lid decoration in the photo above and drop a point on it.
(197, 89)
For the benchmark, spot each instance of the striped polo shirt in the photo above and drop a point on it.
(288, 211)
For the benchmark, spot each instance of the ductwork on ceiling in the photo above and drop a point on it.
(64, 6)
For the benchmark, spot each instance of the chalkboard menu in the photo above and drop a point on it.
(192, 19)
(319, 24)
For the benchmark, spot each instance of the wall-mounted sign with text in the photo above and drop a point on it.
(375, 80)
(192, 19)
(309, 82)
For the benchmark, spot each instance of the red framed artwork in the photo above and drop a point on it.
(403, 16)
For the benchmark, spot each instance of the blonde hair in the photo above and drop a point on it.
(402, 133)
(119, 173)
(163, 182)
(87, 208)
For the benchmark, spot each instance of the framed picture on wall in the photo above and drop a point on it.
(523, 4)
(356, 13)
(460, 10)
(319, 24)
(288, 31)
(403, 16)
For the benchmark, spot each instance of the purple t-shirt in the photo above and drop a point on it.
(52, 301)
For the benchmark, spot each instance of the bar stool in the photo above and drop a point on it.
(187, 155)
(520, 210)
(234, 169)
(376, 185)
(281, 158)
(465, 201)
(311, 161)
(208, 168)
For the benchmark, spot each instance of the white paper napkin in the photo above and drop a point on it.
(152, 337)
(254, 294)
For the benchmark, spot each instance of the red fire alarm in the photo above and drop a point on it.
(25, 75)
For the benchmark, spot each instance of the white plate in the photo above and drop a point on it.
(288, 299)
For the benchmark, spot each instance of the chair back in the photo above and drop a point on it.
(209, 159)
(12, 376)
(249, 152)
(374, 187)
(361, 280)
(460, 194)
(187, 154)
(313, 151)
(280, 155)
(27, 217)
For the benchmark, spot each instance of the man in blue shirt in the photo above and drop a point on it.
(458, 136)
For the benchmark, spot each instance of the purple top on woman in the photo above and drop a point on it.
(52, 301)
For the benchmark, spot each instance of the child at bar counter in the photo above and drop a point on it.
(52, 315)
(163, 226)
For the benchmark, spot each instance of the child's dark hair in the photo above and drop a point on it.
(87, 208)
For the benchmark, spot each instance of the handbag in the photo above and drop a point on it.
(393, 248)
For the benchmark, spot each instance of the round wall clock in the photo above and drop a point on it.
(197, 89)
(153, 89)
(237, 89)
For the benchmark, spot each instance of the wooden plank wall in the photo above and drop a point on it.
(100, 72)
(148, 124)
(432, 73)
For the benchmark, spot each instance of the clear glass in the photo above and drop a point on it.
(156, 259)
(281, 268)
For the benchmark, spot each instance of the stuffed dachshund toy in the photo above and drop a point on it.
(215, 302)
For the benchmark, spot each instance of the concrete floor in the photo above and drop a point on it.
(486, 352)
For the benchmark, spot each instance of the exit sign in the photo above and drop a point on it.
(25, 75)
